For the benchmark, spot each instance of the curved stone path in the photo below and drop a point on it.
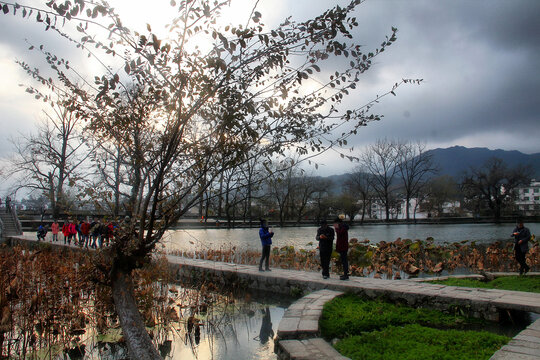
(298, 335)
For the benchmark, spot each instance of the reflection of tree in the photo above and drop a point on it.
(266, 327)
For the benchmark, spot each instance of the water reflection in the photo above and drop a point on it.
(266, 327)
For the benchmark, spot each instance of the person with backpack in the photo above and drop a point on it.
(41, 233)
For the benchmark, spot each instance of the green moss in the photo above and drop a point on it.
(350, 315)
(515, 283)
(415, 342)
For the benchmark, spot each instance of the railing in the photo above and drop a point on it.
(16, 221)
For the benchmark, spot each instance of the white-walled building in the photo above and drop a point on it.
(528, 198)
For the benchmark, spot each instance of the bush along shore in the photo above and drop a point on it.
(393, 260)
(375, 329)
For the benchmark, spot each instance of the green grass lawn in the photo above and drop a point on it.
(415, 342)
(516, 283)
(370, 329)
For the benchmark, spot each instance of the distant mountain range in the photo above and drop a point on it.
(456, 160)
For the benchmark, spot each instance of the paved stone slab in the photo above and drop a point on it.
(522, 350)
(508, 355)
(310, 349)
(527, 344)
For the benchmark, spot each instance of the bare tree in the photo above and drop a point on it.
(381, 161)
(439, 190)
(415, 165)
(51, 159)
(493, 184)
(304, 189)
(359, 183)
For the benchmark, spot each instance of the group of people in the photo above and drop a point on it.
(340, 231)
(82, 233)
(325, 236)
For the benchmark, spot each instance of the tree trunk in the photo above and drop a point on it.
(408, 204)
(137, 339)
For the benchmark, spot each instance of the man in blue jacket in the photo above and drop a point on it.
(266, 242)
(521, 246)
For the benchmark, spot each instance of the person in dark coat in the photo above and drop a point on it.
(41, 233)
(325, 236)
(266, 241)
(521, 236)
(342, 245)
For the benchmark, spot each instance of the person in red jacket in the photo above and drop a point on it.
(65, 232)
(85, 233)
(72, 232)
(342, 245)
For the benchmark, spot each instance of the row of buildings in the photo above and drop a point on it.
(527, 203)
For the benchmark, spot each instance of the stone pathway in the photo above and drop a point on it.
(524, 346)
(298, 332)
(481, 302)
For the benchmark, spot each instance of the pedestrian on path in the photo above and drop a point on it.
(325, 236)
(41, 233)
(521, 236)
(342, 245)
(72, 226)
(266, 241)
(85, 231)
(65, 231)
(55, 229)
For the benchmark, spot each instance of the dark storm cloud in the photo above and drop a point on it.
(479, 61)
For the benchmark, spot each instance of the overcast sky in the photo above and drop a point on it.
(479, 61)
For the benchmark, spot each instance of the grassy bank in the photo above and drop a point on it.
(379, 330)
(515, 283)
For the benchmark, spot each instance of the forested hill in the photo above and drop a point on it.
(454, 161)
(457, 159)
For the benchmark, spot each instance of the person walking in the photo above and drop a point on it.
(342, 245)
(266, 241)
(85, 231)
(95, 228)
(73, 232)
(325, 236)
(8, 204)
(521, 235)
(55, 229)
(65, 232)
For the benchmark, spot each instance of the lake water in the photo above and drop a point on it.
(244, 330)
(304, 237)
